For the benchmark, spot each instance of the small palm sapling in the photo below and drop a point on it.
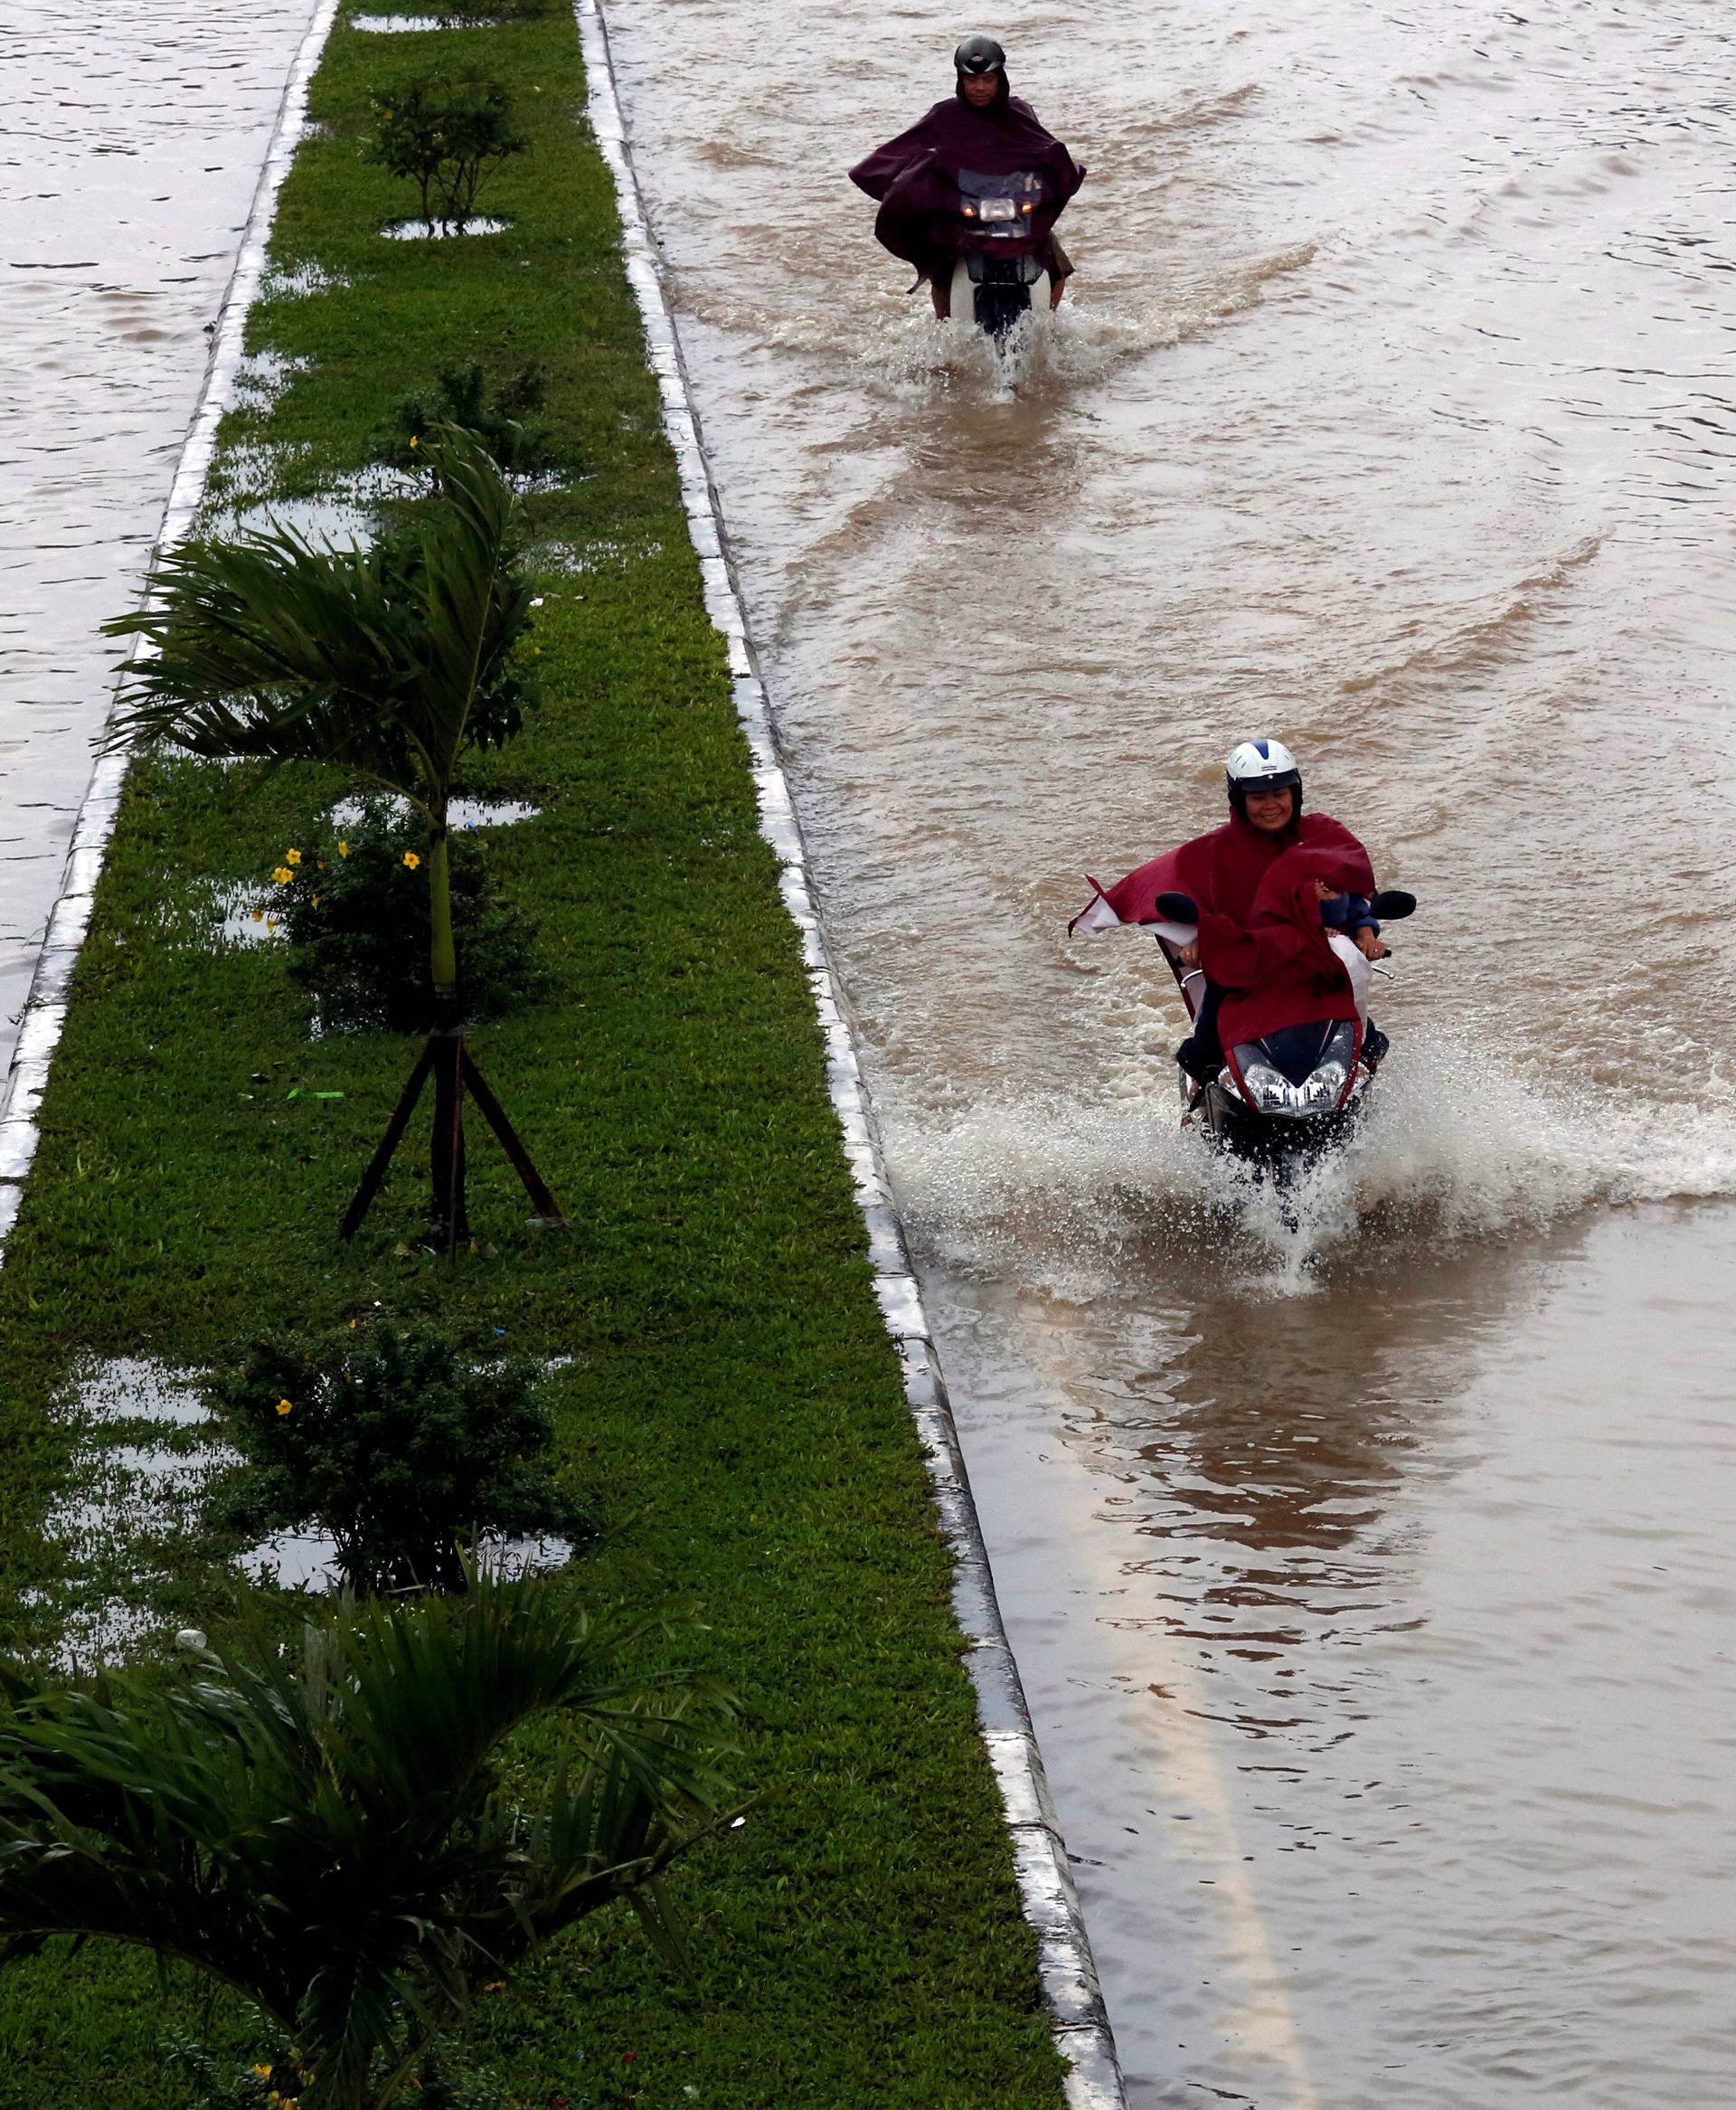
(333, 1829)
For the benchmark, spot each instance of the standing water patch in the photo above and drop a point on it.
(465, 814)
(147, 1453)
(442, 229)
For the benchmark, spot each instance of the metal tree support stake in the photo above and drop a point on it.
(449, 1060)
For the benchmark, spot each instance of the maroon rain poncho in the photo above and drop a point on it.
(1223, 871)
(915, 180)
(1275, 966)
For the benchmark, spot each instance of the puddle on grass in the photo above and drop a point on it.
(464, 816)
(244, 915)
(341, 515)
(412, 24)
(262, 378)
(300, 281)
(574, 558)
(305, 1560)
(442, 229)
(141, 1460)
(147, 1452)
(344, 513)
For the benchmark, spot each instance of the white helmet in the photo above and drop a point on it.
(1262, 765)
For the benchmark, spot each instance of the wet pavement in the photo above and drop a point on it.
(129, 153)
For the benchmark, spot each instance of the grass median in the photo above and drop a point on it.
(728, 1400)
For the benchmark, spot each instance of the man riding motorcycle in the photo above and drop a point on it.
(1269, 886)
(981, 126)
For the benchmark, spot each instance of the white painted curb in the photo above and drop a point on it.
(69, 923)
(1068, 1973)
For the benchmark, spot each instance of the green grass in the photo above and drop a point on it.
(732, 1402)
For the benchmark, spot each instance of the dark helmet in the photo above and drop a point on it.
(979, 54)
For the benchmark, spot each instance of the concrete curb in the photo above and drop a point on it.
(69, 921)
(1067, 1971)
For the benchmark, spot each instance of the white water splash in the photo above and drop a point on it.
(1454, 1149)
(910, 354)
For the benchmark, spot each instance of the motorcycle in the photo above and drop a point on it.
(996, 278)
(1281, 1102)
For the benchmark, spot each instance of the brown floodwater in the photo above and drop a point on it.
(1370, 1573)
(130, 145)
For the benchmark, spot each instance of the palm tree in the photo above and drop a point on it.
(393, 663)
(324, 1830)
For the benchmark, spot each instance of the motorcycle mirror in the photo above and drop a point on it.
(1177, 908)
(1394, 904)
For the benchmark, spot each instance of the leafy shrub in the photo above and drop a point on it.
(403, 1445)
(445, 134)
(461, 397)
(357, 914)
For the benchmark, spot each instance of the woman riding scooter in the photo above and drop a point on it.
(1224, 872)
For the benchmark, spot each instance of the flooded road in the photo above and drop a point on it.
(1371, 1579)
(130, 147)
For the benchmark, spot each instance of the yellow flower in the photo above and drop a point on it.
(283, 874)
(292, 857)
(264, 2072)
(411, 859)
(259, 915)
(270, 922)
(316, 901)
(414, 441)
(343, 849)
(285, 1406)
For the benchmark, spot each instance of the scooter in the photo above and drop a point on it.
(1281, 1102)
(996, 278)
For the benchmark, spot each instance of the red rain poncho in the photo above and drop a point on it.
(914, 178)
(1261, 940)
(1276, 966)
(1222, 871)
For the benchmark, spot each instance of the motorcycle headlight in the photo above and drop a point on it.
(1268, 1091)
(1323, 1090)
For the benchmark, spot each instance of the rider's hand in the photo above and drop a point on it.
(1322, 892)
(1189, 954)
(1369, 945)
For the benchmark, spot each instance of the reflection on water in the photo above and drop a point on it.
(133, 137)
(1368, 1577)
(1388, 1718)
